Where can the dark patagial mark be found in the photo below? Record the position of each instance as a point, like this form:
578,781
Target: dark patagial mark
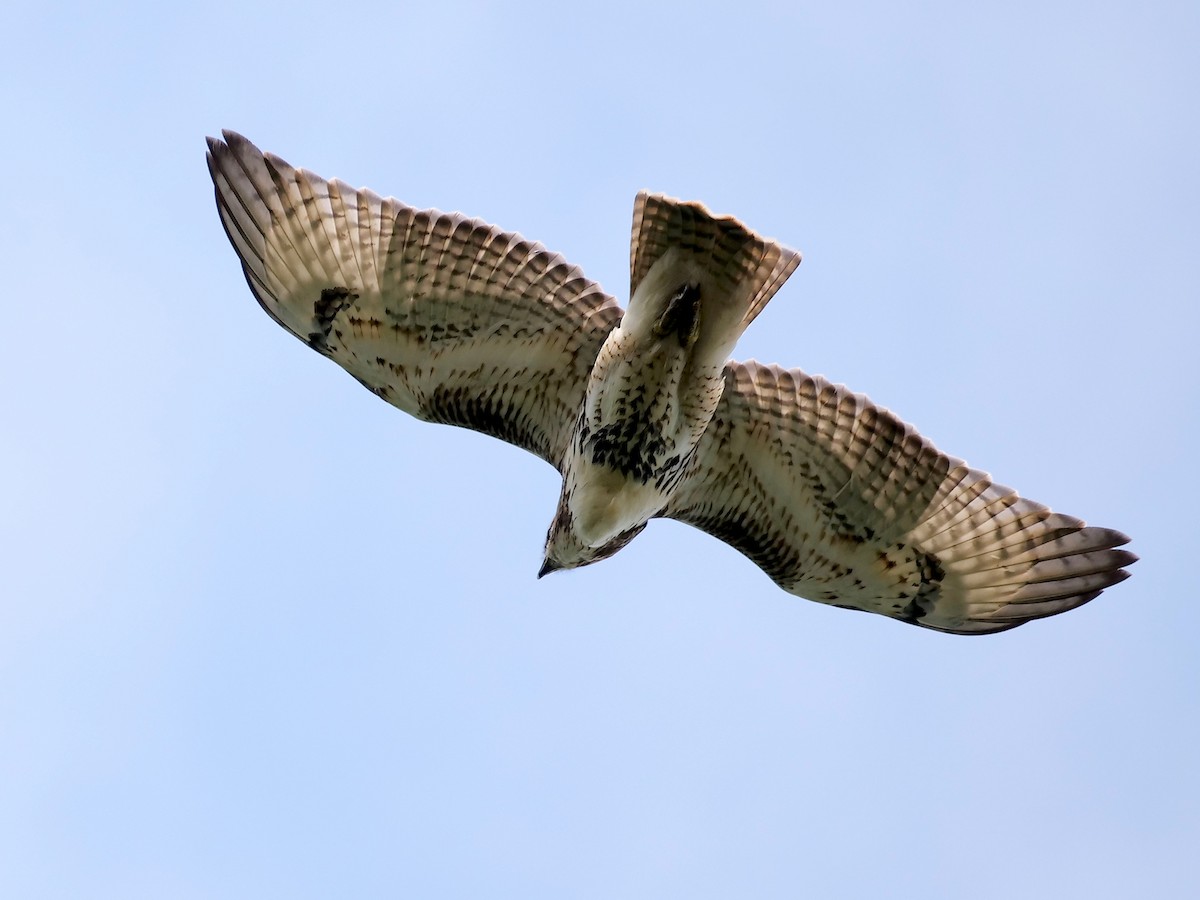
682,315
489,412
741,529
331,302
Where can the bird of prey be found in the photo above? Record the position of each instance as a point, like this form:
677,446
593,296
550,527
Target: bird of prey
641,410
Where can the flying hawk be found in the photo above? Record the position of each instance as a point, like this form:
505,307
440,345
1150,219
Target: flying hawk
641,410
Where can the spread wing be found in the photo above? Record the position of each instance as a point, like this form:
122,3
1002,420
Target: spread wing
840,502
447,318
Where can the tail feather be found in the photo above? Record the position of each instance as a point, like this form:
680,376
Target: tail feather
736,256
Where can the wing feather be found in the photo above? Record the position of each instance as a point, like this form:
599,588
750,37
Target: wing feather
841,502
446,317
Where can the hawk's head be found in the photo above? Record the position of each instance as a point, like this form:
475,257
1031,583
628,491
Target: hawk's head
566,550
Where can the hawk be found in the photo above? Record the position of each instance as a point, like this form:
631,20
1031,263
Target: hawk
641,410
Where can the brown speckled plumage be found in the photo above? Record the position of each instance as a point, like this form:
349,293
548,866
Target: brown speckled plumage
457,322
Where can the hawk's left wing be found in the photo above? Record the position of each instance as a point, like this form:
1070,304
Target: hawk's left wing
841,502
447,318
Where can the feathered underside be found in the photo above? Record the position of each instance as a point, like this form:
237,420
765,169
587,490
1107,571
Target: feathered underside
840,502
448,318
455,321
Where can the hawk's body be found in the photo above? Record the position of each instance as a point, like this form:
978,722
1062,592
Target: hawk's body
455,321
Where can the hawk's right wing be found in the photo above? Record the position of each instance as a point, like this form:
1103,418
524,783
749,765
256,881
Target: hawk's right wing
841,502
447,318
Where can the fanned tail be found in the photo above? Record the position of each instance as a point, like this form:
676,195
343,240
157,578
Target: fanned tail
743,263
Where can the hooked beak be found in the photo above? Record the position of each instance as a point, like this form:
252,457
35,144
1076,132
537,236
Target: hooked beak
547,568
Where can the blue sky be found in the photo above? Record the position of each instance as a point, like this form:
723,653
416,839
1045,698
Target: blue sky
263,635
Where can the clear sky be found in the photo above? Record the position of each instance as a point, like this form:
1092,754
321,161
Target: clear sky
262,635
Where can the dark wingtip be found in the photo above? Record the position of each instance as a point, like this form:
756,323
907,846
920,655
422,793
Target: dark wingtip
234,143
